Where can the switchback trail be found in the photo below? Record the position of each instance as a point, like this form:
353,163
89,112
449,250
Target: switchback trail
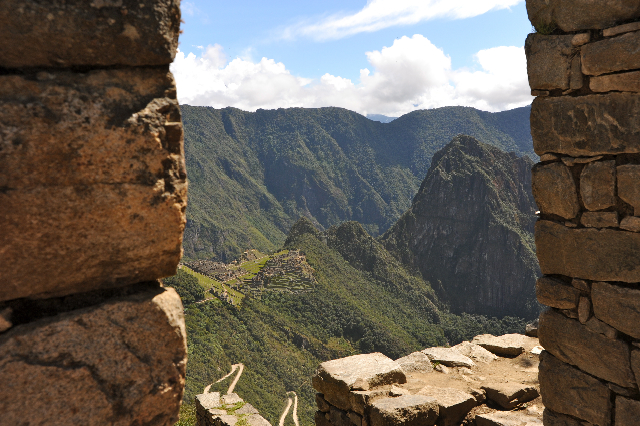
286,410
234,367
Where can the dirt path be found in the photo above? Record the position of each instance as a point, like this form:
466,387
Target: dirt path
234,367
286,410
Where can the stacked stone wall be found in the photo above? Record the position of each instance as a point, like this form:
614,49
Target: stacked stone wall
584,69
92,210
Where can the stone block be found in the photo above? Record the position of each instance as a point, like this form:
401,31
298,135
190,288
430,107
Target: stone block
567,390
476,352
611,55
628,177
258,420
551,418
627,411
578,15
617,306
581,285
584,310
598,185
625,82
122,362
597,326
506,345
555,293
337,378
531,329
586,125
207,401
621,29
576,80
575,344
320,419
630,223
415,362
453,404
599,219
449,357
580,39
322,404
5,319
512,418
102,150
510,395
246,409
635,363
339,417
591,254
231,399
361,399
406,410
548,61
555,190
356,419
38,33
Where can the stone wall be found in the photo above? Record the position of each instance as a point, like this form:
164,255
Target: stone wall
584,67
92,209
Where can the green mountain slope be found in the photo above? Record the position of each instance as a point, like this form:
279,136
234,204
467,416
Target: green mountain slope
252,175
363,301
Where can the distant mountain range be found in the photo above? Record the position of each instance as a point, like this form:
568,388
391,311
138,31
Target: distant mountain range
381,118
253,174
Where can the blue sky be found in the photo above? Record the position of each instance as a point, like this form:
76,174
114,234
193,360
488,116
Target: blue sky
380,56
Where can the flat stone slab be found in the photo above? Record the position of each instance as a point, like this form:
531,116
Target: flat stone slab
476,352
406,410
510,395
206,401
453,404
449,357
231,399
246,409
335,379
507,419
506,345
415,362
257,420
617,306
577,15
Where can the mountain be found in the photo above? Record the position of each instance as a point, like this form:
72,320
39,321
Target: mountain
363,300
253,174
381,118
469,230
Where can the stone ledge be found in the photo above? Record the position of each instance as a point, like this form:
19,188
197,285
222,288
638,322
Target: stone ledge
578,15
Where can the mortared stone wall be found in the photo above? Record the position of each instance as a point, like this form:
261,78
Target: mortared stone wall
92,210
584,69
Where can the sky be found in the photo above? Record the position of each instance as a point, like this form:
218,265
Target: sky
374,57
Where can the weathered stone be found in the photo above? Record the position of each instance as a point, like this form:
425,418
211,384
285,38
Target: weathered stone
548,61
593,254
506,345
586,125
617,306
584,310
339,417
406,410
448,356
5,319
567,390
77,32
119,178
548,157
576,80
356,419
123,360
625,82
510,395
320,419
580,39
322,404
230,399
246,409
208,401
335,379
555,293
453,404
224,420
598,184
441,369
554,190
551,418
599,219
512,418
578,15
531,329
415,362
627,411
630,223
398,391
581,285
621,29
571,161
619,390
611,55
540,93
475,352
361,399
570,313
258,420
597,326
635,363
629,185
575,344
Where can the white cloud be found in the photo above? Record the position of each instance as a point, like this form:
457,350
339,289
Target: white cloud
411,74
379,14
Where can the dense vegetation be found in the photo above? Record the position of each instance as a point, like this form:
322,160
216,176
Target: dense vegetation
253,174
187,287
364,301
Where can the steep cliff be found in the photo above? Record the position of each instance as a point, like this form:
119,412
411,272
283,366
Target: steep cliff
469,230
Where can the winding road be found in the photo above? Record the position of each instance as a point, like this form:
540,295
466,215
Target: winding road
234,367
286,410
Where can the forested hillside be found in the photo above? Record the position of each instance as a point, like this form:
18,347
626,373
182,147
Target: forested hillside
253,174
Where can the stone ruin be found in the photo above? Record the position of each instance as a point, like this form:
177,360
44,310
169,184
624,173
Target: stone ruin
226,410
479,382
584,69
92,210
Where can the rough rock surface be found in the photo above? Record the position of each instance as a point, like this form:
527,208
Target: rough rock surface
586,125
555,190
119,177
611,55
130,372
406,410
627,411
576,15
507,419
599,219
228,410
591,254
557,294
475,352
629,185
625,82
453,404
506,345
617,306
70,33
416,361
598,184
567,390
510,395
548,61
335,379
555,419
448,356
